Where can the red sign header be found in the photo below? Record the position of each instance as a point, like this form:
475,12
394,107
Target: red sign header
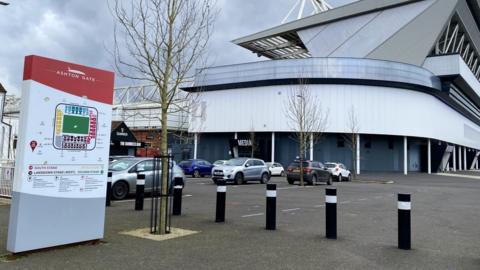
95,84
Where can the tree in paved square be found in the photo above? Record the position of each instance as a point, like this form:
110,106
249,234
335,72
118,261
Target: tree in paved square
161,42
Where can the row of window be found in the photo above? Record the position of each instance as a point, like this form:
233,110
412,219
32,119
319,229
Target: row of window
366,144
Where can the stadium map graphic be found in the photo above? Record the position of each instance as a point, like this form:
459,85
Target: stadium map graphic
75,127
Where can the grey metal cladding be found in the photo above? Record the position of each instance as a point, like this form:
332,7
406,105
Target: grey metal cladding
465,15
413,42
474,6
353,9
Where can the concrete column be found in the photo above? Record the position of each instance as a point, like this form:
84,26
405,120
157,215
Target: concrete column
459,158
358,154
448,166
429,157
273,147
235,136
465,165
195,143
454,158
405,155
311,146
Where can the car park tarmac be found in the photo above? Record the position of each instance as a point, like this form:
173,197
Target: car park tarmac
445,231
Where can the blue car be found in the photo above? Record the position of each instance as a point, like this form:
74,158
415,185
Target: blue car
196,167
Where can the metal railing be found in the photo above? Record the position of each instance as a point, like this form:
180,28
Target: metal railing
6,181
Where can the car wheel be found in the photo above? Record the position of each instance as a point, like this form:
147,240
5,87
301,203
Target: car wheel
265,178
120,190
339,177
290,181
349,178
313,182
239,179
329,180
282,174
215,181
196,174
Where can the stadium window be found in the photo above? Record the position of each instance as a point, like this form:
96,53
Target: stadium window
340,142
368,142
390,143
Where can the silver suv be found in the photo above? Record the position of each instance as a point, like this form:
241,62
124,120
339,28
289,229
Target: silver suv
241,170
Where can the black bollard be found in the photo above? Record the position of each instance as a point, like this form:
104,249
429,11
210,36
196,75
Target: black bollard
177,197
331,213
271,207
404,221
221,197
140,192
109,189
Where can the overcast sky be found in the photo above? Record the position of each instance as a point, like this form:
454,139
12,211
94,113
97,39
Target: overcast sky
80,31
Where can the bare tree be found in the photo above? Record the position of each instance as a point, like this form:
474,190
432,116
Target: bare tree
160,42
306,118
252,140
353,127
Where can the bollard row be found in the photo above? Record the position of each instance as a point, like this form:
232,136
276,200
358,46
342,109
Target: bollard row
404,209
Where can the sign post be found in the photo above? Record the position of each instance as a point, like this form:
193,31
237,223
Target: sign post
62,155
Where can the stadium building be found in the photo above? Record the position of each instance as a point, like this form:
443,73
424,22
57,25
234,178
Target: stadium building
408,69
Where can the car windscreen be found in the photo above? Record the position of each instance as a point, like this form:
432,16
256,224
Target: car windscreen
330,165
121,165
297,164
218,162
235,162
185,163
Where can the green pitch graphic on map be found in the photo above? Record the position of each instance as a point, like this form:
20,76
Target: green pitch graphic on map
75,127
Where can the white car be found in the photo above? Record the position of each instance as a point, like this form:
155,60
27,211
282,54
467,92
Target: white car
275,169
219,162
339,171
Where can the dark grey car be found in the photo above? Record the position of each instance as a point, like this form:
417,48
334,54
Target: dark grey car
124,175
313,172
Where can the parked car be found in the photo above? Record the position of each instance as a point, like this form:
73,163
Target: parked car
241,170
124,175
115,158
313,172
339,171
276,169
196,167
219,162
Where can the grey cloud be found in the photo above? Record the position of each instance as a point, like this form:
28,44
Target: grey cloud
80,31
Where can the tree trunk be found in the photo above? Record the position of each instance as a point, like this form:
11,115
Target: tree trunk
302,154
164,152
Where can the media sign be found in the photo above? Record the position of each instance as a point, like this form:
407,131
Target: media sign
62,155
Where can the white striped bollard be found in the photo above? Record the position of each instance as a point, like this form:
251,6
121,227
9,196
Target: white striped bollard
221,197
404,221
331,213
109,189
177,197
271,218
140,192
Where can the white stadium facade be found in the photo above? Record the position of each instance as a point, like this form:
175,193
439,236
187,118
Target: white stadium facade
410,70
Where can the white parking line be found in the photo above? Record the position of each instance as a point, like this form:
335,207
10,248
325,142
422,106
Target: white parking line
146,199
345,202
363,199
294,187
319,205
253,215
289,210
